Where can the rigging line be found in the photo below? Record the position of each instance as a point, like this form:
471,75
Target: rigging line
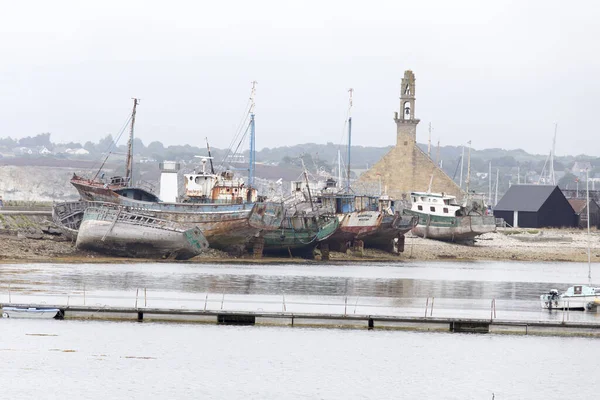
113,143
235,139
93,167
242,123
241,141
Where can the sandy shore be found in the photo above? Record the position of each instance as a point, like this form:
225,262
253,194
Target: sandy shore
509,244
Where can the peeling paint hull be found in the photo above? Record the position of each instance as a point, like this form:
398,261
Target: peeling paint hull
227,226
452,228
114,231
392,227
296,235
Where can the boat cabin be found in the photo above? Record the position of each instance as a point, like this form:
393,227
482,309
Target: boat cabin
435,204
386,205
205,187
581,290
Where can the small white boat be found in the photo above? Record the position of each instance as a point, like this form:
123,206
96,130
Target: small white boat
30,312
578,297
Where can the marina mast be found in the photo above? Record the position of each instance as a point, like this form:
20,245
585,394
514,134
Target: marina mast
552,175
129,160
462,158
468,180
349,139
252,165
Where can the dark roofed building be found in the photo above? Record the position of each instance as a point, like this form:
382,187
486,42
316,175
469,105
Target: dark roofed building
580,208
535,206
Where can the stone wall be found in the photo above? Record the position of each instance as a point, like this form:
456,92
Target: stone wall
405,169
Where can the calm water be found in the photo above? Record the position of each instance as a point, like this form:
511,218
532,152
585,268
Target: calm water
459,289
104,360
99,360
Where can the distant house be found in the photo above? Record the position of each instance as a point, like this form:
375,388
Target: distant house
78,152
535,206
43,151
580,208
19,151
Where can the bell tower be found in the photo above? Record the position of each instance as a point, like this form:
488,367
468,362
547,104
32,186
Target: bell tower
406,123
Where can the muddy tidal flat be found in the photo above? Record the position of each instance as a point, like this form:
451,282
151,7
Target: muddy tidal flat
570,245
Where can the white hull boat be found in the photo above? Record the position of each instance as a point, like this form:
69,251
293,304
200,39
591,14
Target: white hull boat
578,297
29,312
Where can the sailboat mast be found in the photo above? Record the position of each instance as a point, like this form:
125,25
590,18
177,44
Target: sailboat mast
129,160
349,139
252,138
490,184
552,174
212,168
587,206
496,195
462,158
339,181
468,180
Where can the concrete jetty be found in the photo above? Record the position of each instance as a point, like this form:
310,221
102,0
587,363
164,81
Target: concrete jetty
468,325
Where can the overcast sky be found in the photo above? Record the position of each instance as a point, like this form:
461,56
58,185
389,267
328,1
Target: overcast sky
497,73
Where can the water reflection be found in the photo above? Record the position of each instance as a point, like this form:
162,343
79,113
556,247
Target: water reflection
458,288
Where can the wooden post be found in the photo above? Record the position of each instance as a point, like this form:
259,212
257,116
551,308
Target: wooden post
426,306
345,305
432,300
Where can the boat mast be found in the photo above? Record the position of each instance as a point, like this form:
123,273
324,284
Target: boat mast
496,196
252,138
552,175
339,181
212,168
129,159
349,139
462,158
587,202
490,184
307,185
468,180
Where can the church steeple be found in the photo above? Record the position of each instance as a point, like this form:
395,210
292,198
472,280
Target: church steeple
406,122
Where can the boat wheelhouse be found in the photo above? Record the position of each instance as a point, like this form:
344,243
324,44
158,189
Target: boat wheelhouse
440,216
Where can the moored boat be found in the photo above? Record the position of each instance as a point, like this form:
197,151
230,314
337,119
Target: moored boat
30,312
578,297
441,217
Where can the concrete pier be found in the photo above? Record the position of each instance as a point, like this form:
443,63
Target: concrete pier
469,325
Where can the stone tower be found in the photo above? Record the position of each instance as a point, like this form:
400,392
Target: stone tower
406,123
406,168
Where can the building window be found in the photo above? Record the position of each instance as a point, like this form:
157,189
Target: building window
432,209
445,210
420,208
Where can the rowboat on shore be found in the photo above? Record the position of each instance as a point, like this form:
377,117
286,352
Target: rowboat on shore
30,312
